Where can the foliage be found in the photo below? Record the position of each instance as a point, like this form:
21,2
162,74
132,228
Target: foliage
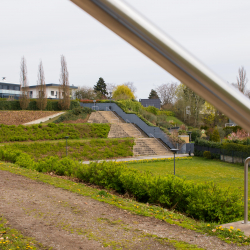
195,134
74,114
94,149
101,87
85,93
64,92
215,136
153,94
152,109
123,92
207,154
52,131
204,201
239,135
165,112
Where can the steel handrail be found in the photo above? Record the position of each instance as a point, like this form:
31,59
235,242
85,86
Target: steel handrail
156,45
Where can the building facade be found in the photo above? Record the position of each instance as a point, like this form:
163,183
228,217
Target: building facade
150,102
9,90
52,91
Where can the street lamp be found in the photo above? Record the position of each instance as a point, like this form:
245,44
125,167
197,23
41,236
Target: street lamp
189,133
110,95
174,150
66,137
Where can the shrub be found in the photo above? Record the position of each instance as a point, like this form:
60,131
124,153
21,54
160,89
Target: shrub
195,134
152,109
204,201
207,154
215,136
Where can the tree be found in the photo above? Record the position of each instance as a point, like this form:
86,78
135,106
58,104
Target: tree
110,87
64,92
85,93
167,93
215,136
123,92
41,96
101,87
131,86
242,80
24,98
153,95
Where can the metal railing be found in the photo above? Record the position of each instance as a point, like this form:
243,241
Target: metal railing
95,108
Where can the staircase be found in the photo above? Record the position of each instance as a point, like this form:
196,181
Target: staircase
120,129
149,146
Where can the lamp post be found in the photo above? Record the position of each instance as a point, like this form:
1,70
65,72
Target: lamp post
66,137
174,150
189,133
110,95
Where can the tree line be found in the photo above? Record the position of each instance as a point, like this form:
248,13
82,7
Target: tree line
41,101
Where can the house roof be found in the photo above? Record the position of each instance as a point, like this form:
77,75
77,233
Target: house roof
10,83
151,102
53,85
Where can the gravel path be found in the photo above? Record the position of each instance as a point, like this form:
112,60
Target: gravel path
63,220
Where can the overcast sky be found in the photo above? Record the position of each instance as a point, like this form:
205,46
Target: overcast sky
214,31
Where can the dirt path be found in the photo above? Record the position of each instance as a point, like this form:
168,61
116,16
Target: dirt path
63,220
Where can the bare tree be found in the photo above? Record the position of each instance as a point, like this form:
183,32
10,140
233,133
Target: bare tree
110,87
131,86
242,81
41,95
166,93
85,93
24,97
64,92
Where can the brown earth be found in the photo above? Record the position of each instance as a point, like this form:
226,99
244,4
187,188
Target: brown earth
21,117
64,220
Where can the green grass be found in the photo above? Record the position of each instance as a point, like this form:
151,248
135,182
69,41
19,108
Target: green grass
12,239
200,170
134,207
94,149
175,120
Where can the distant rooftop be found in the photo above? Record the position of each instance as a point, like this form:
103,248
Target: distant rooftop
53,85
150,102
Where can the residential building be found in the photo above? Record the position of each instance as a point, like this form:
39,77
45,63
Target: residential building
52,90
9,90
150,102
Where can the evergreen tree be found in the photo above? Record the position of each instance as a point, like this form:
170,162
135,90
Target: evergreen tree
101,87
153,95
215,136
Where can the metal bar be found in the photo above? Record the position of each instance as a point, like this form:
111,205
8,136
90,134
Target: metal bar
160,142
246,191
155,44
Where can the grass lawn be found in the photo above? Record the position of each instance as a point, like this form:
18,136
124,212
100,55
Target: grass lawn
175,120
200,170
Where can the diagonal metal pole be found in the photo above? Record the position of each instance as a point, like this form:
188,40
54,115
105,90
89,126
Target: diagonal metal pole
155,44
246,190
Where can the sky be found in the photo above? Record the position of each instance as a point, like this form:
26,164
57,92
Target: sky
215,32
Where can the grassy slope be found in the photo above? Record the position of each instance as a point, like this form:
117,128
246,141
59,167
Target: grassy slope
199,169
175,120
133,206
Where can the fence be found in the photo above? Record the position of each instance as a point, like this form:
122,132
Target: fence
222,154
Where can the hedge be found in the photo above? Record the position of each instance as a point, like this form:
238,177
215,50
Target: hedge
52,131
52,105
205,201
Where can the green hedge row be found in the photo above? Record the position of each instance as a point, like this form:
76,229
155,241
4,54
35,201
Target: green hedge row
52,131
94,149
52,105
231,149
204,201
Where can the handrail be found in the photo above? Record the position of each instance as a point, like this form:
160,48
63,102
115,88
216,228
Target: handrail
246,191
159,142
116,116
134,126
156,45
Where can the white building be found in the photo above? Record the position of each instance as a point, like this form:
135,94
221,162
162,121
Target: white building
52,90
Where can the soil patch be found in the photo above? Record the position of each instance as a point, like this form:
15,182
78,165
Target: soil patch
24,116
63,220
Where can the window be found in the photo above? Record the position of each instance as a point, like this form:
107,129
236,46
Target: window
52,93
31,93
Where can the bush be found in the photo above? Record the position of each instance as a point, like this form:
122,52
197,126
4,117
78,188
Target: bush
204,201
195,134
207,154
215,136
152,109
